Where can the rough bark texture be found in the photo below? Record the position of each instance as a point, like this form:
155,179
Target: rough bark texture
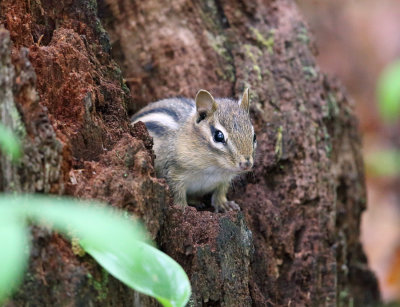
296,241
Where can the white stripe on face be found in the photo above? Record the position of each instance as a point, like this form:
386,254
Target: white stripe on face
221,146
164,119
218,126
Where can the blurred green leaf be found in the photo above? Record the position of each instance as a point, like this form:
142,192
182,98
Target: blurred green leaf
147,270
119,244
96,223
383,163
9,142
14,253
389,92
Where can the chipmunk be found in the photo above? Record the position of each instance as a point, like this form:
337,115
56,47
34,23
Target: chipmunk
201,145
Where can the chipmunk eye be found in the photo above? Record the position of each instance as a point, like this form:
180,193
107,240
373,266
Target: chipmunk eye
254,138
219,136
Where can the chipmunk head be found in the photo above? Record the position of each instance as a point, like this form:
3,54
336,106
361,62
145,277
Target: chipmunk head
224,124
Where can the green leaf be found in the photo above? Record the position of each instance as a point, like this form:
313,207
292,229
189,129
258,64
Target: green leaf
9,143
101,225
389,92
383,163
147,270
14,253
116,242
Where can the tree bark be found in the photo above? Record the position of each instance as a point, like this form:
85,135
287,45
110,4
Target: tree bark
296,240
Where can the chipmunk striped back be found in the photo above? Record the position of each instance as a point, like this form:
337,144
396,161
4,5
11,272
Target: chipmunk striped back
166,115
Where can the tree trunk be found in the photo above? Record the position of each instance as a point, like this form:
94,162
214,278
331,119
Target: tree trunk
296,240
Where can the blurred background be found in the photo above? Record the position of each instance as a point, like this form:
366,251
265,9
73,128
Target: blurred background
359,42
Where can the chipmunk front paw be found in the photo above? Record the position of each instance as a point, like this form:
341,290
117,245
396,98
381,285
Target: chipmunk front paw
229,205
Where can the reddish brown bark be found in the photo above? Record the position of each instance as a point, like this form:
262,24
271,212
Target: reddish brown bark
296,241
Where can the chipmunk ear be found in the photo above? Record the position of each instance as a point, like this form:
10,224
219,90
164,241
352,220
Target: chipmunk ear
245,101
205,103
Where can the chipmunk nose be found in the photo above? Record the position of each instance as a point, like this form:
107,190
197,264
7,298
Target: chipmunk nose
246,164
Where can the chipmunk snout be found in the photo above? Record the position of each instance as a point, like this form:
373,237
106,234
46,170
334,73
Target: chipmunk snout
246,164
